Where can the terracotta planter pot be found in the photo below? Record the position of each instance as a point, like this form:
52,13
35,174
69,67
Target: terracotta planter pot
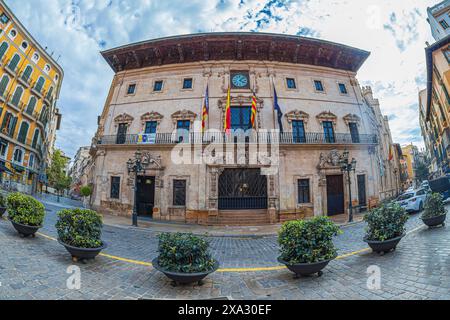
383,247
82,254
306,269
184,278
24,230
435,221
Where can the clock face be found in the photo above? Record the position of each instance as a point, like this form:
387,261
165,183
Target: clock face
240,81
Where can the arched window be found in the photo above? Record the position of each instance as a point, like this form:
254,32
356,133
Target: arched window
27,73
4,84
31,161
14,62
50,93
35,139
17,96
31,105
3,48
23,132
18,155
40,84
43,116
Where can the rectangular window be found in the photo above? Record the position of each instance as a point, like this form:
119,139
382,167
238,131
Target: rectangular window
328,132
183,128
318,85
298,131
4,18
444,24
115,187
150,127
187,83
122,133
290,82
158,86
179,193
131,89
241,118
354,132
3,149
343,88
303,191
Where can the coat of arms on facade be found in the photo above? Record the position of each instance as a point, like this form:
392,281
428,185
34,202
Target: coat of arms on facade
330,160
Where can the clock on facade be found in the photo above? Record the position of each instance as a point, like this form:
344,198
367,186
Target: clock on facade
240,80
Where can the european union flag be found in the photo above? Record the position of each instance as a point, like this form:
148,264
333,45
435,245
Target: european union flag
277,108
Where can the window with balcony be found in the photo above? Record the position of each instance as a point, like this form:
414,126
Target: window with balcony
304,193
3,85
15,101
31,161
122,133
18,156
35,139
31,105
328,130
179,193
115,187
39,84
3,149
298,131
27,73
241,118
183,128
150,127
9,124
23,132
14,63
354,132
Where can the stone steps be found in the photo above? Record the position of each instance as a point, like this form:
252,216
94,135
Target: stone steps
241,218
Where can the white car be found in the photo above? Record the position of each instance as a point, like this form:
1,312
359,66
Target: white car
413,201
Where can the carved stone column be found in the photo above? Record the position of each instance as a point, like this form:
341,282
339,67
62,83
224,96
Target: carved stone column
213,202
273,197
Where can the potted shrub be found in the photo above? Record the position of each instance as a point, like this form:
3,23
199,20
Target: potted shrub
80,232
184,258
25,213
435,213
307,245
386,227
2,205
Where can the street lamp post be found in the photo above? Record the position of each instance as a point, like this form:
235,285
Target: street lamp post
348,167
135,166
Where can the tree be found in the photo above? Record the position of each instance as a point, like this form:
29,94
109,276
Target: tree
56,174
422,172
85,191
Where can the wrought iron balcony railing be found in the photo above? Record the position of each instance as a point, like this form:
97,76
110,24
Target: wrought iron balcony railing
286,138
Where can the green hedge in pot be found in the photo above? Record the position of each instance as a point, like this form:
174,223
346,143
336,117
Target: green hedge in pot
386,222
308,241
80,228
2,201
434,206
184,253
26,210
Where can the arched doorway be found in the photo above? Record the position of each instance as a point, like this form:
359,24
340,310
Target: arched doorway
242,189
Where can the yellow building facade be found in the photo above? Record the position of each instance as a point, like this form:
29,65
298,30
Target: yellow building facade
30,83
410,154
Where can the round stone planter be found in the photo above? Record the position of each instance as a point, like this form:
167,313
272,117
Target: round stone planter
83,254
2,211
306,269
24,230
184,278
383,247
435,221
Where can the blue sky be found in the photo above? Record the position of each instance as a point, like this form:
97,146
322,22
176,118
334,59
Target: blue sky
76,30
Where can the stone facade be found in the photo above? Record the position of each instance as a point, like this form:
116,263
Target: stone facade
313,159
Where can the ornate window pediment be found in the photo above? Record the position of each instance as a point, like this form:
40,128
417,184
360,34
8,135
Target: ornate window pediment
151,116
123,118
297,115
184,115
327,116
352,118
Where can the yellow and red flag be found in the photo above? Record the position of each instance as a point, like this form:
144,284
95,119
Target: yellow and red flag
254,110
205,111
227,120
391,153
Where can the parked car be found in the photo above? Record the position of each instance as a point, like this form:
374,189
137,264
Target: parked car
442,186
413,201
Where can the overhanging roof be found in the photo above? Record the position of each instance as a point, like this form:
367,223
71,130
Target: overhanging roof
429,57
235,46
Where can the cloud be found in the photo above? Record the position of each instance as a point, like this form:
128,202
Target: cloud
394,31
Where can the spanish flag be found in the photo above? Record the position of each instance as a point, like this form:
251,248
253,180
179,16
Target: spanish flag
254,110
205,111
227,120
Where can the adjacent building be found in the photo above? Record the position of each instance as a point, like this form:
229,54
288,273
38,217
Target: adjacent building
411,157
281,166
30,83
79,170
439,20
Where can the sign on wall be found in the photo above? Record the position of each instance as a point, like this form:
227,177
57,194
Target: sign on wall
147,138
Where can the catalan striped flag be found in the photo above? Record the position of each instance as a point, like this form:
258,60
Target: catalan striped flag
391,153
227,120
254,110
205,112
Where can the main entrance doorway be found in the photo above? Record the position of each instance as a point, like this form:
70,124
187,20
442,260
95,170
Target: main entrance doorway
242,189
335,195
145,196
362,197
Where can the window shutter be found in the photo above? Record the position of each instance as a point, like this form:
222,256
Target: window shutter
13,126
4,84
3,49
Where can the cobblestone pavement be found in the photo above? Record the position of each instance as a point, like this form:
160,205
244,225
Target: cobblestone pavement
36,268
